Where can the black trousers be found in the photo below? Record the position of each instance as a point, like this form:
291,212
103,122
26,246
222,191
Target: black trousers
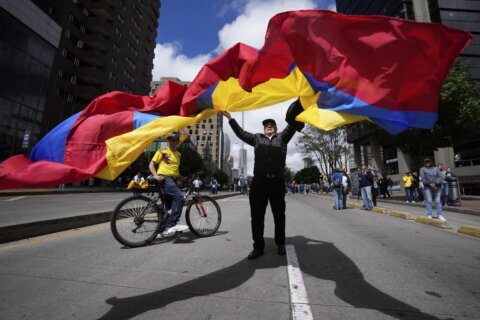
262,191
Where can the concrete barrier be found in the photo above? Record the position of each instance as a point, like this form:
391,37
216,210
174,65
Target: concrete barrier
469,230
381,210
433,222
39,228
402,215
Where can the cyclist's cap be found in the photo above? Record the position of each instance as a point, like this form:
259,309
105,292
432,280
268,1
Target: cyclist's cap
427,160
173,136
267,121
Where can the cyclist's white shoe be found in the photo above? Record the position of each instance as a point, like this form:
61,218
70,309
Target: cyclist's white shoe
441,218
170,232
180,228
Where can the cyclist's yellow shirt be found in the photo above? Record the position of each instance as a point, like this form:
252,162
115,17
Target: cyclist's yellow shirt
168,162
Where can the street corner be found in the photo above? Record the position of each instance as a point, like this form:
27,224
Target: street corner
469,230
402,215
433,222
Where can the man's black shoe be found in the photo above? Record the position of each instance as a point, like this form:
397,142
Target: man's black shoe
281,250
255,254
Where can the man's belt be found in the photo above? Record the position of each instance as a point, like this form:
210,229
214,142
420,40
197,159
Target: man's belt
269,175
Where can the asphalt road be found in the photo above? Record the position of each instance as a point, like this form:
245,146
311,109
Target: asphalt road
31,208
355,265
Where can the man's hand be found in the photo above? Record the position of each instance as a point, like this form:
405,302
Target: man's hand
159,177
433,186
226,114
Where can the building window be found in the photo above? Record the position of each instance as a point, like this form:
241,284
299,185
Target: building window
76,61
70,17
80,44
69,98
85,12
82,28
60,72
73,80
64,52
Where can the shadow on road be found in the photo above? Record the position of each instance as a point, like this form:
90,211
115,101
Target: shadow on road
317,258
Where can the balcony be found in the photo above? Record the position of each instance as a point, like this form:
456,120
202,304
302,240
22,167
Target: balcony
102,10
94,58
91,75
96,41
99,25
88,92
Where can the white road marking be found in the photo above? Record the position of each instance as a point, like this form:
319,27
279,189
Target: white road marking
17,198
111,200
298,294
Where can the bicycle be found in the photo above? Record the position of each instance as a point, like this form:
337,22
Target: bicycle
137,220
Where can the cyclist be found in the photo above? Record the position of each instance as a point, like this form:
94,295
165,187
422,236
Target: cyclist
168,161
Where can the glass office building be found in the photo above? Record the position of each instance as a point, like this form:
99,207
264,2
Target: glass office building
27,48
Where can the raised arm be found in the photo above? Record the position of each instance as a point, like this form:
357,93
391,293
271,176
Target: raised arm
245,136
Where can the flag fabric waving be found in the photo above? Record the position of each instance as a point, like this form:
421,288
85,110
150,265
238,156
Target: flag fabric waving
343,68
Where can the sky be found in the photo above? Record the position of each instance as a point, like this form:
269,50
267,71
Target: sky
192,32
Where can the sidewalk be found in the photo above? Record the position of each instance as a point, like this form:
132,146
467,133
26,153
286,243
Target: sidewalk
470,204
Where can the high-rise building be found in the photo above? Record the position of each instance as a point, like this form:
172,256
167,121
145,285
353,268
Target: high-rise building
242,162
208,132
461,14
28,41
105,45
367,149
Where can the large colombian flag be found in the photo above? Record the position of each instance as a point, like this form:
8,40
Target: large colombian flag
343,68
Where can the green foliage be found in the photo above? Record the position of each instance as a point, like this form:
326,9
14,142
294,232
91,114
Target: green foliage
191,161
221,177
458,118
329,148
308,175
287,174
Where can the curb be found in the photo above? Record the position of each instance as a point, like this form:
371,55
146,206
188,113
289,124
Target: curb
39,228
381,210
402,215
469,230
433,222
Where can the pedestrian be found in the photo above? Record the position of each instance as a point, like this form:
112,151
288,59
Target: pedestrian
390,185
365,181
268,185
168,161
432,184
408,185
375,185
197,183
347,186
385,187
337,187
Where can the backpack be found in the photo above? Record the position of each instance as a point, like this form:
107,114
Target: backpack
337,180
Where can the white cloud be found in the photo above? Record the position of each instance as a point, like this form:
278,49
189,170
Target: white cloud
168,62
250,26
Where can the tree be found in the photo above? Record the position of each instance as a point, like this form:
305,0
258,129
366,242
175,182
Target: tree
192,162
329,148
221,177
287,174
308,175
458,118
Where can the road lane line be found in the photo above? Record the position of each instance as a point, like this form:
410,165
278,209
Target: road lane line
13,199
298,294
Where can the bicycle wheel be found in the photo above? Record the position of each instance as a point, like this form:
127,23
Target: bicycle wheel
203,216
135,221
